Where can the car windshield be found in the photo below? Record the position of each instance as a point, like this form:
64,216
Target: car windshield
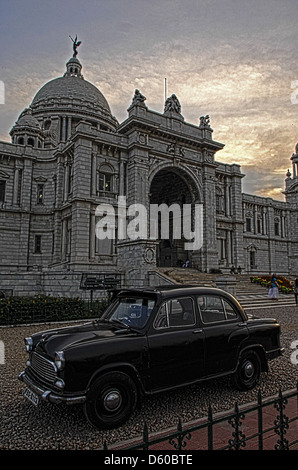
130,311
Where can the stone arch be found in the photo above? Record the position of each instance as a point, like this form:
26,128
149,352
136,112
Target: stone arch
172,187
191,179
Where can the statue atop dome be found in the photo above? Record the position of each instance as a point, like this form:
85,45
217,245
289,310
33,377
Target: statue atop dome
76,44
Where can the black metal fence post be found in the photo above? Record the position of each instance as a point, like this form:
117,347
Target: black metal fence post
260,420
281,423
210,428
145,437
236,423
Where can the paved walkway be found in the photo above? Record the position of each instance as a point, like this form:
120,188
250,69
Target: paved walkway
222,432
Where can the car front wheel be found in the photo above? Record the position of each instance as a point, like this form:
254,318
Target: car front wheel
111,400
248,371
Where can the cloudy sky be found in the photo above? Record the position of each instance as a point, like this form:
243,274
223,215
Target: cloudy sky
235,60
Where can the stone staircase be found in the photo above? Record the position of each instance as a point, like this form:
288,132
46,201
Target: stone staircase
251,296
188,276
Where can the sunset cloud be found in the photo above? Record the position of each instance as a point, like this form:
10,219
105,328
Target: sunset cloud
235,63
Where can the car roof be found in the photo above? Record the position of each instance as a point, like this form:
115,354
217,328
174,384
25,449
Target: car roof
174,289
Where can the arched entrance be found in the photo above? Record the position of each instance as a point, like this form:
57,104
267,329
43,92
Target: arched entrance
170,189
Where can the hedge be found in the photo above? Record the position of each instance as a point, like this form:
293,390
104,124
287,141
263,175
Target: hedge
20,310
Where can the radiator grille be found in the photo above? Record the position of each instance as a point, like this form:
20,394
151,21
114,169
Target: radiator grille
44,368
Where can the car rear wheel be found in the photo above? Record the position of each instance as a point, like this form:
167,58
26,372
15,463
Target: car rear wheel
248,372
111,400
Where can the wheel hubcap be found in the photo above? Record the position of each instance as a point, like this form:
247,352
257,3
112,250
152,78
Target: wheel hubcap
112,400
248,369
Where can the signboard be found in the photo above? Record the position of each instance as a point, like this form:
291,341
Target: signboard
100,281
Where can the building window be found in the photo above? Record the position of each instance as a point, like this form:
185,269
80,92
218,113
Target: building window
37,244
219,201
252,259
105,182
105,178
105,247
70,179
2,190
248,225
40,194
276,228
259,225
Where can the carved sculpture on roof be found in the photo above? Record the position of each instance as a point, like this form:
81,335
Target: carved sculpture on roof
205,121
76,44
172,104
138,98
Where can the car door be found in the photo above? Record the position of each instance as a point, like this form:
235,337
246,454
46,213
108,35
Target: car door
224,331
176,345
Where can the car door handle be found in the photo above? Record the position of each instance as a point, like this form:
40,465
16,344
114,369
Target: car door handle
199,330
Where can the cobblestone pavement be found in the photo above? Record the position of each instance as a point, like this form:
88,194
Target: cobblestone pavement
52,427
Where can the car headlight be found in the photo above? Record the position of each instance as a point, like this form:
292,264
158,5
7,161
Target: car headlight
59,360
29,344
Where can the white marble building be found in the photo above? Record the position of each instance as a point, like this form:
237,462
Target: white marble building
68,155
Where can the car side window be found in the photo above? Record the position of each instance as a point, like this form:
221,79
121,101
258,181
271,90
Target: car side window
176,313
215,309
231,313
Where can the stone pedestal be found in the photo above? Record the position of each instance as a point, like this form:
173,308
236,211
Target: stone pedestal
136,258
226,283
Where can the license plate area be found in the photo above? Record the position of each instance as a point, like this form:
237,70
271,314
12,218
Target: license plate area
31,396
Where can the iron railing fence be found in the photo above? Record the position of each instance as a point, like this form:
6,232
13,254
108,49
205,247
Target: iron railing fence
267,424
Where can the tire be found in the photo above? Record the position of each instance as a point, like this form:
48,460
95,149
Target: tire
248,371
111,400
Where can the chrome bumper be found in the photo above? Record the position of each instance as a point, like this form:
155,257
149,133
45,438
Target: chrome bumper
49,395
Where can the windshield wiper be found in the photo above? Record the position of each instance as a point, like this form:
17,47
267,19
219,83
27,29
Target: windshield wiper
117,323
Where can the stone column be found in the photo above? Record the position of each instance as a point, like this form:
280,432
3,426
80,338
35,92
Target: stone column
16,185
69,127
121,178
64,128
228,247
209,250
66,180
93,175
227,197
59,135
63,244
92,237
264,221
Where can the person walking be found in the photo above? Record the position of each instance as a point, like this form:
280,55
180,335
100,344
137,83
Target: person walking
273,291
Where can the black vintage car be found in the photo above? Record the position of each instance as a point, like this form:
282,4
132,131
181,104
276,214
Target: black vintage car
148,341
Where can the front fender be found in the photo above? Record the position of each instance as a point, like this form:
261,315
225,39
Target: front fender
125,367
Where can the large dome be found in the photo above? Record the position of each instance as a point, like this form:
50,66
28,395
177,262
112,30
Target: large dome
75,95
74,91
64,89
